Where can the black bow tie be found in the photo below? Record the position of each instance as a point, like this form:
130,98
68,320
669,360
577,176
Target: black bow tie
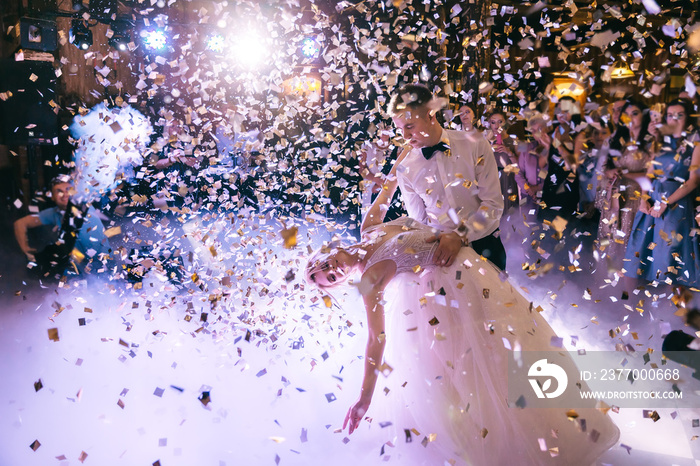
428,152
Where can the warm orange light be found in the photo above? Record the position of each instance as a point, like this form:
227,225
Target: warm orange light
302,85
621,72
574,90
567,87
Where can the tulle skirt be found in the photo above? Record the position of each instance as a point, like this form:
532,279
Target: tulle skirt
450,332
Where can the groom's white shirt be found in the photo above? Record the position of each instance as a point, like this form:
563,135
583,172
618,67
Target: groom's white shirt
461,186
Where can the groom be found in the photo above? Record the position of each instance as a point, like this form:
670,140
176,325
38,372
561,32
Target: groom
448,180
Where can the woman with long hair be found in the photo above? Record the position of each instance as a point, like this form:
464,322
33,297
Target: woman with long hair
661,247
504,149
533,158
444,336
627,157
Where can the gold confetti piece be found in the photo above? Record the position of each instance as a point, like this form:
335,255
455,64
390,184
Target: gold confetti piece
289,235
434,321
77,255
602,406
485,292
277,439
120,403
327,301
484,432
386,369
417,269
53,334
83,456
572,414
114,231
35,445
195,278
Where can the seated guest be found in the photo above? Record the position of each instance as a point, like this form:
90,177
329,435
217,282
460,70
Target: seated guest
81,235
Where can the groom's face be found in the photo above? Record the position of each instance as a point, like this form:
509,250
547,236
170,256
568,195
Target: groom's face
419,127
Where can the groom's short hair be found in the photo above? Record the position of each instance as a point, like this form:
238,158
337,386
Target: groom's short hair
409,97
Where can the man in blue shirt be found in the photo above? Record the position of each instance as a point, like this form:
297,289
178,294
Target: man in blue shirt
81,233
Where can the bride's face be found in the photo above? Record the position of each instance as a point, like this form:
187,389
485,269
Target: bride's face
332,271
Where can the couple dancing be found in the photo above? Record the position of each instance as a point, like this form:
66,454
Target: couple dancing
442,318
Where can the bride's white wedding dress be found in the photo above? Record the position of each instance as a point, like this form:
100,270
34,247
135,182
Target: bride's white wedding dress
450,332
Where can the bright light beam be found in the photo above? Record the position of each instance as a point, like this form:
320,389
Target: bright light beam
309,47
216,43
249,50
155,40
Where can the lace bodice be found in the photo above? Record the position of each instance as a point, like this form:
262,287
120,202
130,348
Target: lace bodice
407,249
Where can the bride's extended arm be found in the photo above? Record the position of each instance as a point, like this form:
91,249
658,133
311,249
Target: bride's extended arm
375,215
376,340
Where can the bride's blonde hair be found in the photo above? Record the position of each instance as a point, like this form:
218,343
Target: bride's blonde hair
316,260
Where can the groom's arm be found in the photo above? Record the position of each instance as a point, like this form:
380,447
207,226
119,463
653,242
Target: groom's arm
415,207
488,216
375,215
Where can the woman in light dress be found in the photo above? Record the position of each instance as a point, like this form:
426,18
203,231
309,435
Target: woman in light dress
626,159
441,338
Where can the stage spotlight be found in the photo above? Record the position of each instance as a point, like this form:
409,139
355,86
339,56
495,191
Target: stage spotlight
154,40
120,37
249,50
80,34
216,43
309,47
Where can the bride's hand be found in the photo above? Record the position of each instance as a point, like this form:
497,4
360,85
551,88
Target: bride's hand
355,414
450,244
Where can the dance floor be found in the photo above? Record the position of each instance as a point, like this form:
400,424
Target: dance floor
244,364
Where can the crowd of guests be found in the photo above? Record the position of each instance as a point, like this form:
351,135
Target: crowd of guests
630,167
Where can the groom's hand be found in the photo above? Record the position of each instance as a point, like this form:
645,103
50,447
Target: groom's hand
448,248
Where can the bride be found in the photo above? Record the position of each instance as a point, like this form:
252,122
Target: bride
443,337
